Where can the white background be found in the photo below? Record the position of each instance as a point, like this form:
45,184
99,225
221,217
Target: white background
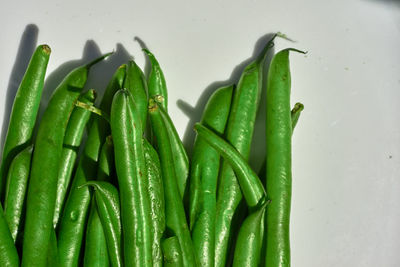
346,160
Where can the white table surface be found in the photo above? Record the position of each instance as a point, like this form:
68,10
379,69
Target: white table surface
346,160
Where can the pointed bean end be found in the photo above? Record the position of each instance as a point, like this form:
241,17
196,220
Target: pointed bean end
46,49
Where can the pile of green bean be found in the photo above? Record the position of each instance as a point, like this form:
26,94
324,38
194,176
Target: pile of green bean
130,196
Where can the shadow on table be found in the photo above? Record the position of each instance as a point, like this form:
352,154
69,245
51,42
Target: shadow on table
27,46
393,3
99,76
98,79
194,113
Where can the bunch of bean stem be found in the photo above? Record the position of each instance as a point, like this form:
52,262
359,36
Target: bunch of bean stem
132,198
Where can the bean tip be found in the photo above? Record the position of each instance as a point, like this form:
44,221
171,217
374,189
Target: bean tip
284,36
46,49
152,105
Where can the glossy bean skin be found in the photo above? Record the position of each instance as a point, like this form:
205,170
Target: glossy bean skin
96,253
278,161
250,239
204,177
108,206
250,185
239,133
172,252
17,184
42,188
156,81
130,165
96,245
72,140
157,204
52,251
179,155
24,111
8,251
106,168
295,114
136,84
175,214
74,217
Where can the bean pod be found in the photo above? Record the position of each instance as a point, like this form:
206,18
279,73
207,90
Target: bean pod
72,141
278,160
156,193
73,221
239,133
175,213
126,129
204,177
17,184
24,111
42,188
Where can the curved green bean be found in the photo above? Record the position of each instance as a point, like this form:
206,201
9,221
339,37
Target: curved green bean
74,217
204,177
250,185
249,242
72,140
156,81
179,155
42,188
175,213
96,253
108,206
96,245
24,111
126,129
278,160
136,84
17,184
239,133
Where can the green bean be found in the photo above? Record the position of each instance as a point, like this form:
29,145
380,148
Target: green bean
74,217
179,156
295,114
42,188
250,240
204,176
175,214
8,252
24,111
239,133
106,168
172,252
17,183
278,160
130,165
108,206
72,140
95,244
52,251
250,185
156,194
136,84
156,81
